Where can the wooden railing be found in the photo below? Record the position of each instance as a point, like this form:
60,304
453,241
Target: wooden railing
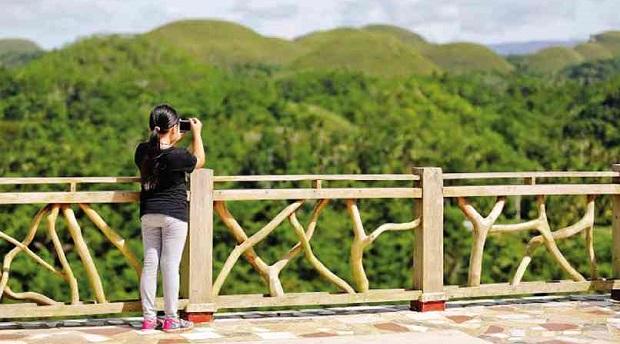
210,196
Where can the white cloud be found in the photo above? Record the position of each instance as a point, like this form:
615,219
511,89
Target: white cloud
55,22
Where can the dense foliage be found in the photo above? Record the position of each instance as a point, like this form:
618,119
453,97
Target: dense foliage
81,110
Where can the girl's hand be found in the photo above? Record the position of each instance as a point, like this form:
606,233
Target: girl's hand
195,125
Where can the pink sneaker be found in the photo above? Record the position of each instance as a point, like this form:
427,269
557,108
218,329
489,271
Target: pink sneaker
149,323
177,325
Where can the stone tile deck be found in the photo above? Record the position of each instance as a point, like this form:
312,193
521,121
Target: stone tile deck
576,319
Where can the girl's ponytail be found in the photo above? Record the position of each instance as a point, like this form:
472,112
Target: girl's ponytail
161,119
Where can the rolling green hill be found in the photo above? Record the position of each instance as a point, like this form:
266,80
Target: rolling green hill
18,46
14,52
466,57
454,57
610,40
600,47
224,43
592,51
404,35
363,51
551,60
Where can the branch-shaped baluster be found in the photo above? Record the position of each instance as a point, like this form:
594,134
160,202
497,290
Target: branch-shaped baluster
29,252
361,241
315,262
250,242
68,273
8,258
483,226
590,240
30,296
277,267
548,238
269,273
480,230
82,250
255,261
113,236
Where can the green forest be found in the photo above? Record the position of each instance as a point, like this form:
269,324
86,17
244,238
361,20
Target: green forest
377,99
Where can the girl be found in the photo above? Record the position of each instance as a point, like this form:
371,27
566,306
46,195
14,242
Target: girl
164,210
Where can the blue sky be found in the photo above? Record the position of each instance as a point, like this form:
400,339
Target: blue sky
52,23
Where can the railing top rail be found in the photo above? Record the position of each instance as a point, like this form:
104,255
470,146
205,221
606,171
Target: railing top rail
322,177
542,174
531,190
67,180
311,177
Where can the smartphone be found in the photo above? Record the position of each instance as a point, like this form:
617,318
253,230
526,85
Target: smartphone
185,125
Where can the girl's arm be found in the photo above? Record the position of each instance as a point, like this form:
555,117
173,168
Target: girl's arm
197,149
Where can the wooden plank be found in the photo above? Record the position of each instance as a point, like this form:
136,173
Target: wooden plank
318,298
329,193
303,177
428,250
615,228
69,197
200,239
8,306
539,189
520,175
81,309
503,289
67,180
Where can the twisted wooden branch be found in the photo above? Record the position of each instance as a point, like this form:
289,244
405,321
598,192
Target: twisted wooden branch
361,241
68,273
480,230
82,250
548,239
483,226
269,273
8,258
80,245
324,271
40,299
113,236
250,242
255,261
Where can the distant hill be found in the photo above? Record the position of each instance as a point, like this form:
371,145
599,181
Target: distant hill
14,52
552,59
466,57
225,43
599,47
592,51
610,40
452,57
361,50
18,46
404,35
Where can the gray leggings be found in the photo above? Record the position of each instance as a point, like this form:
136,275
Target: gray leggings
163,238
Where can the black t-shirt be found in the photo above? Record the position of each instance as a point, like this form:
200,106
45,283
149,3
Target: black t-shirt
170,195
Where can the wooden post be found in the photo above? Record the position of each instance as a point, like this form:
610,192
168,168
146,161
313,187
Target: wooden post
615,235
197,261
428,251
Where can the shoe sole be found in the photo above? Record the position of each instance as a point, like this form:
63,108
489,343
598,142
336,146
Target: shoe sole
177,330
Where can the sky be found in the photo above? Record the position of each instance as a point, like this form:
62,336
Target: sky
54,23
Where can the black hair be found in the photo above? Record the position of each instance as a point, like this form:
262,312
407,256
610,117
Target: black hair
162,118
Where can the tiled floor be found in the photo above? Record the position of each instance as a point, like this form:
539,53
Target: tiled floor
578,319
